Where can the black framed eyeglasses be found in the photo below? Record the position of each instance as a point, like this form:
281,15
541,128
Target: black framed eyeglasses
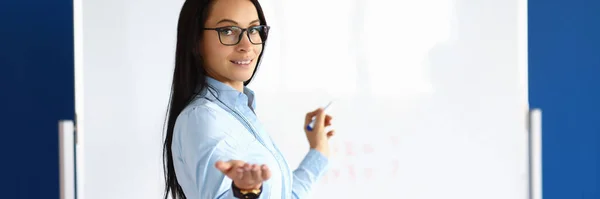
232,35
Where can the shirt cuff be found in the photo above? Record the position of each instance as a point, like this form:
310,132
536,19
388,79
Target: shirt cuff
315,162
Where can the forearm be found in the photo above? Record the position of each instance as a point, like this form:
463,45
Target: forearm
310,170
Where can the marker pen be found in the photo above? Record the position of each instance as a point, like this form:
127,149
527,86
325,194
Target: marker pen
312,123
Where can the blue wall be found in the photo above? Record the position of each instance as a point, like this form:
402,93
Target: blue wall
37,85
564,81
36,79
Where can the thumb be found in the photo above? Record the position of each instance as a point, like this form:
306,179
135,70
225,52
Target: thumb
223,166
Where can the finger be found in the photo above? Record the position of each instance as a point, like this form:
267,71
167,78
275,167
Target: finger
238,174
236,163
236,171
256,173
328,120
330,133
309,117
247,175
223,166
266,173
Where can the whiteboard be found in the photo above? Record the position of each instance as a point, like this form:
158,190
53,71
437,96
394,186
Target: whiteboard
430,96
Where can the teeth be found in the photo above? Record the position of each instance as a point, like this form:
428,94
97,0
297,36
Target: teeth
242,62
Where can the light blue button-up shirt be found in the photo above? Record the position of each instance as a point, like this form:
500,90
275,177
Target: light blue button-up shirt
220,124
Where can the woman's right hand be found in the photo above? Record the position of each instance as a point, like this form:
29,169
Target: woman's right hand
317,138
244,175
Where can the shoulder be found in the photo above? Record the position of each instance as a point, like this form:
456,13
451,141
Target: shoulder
201,128
202,116
207,122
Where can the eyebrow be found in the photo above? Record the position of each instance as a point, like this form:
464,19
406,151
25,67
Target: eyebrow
236,23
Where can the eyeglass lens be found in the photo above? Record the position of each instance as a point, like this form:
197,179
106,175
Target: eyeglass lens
232,35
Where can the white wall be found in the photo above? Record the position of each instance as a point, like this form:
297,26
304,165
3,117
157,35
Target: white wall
430,95
128,57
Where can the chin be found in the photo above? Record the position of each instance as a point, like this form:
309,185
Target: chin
242,77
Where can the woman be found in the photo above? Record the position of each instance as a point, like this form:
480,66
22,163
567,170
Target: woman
215,147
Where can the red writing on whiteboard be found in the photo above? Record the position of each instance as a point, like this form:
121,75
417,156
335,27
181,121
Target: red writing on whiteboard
364,161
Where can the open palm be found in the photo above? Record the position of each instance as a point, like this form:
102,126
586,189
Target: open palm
244,175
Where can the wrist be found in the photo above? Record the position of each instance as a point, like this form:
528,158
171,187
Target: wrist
250,193
323,149
321,144
247,187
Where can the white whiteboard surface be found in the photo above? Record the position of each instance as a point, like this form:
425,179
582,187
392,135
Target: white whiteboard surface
431,95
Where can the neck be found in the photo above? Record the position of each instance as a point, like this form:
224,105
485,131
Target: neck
237,85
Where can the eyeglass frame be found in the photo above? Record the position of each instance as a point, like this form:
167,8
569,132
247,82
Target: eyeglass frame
217,29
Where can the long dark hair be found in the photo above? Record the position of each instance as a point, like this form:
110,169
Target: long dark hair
189,76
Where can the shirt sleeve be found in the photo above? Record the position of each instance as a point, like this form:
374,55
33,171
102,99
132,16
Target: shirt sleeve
310,170
200,141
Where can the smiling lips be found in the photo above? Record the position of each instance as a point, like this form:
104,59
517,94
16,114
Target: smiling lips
243,62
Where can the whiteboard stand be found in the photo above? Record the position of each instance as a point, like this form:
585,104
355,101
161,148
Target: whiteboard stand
66,139
535,154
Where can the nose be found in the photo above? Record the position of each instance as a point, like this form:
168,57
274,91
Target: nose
244,45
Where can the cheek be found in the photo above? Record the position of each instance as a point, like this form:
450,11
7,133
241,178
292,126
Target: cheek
258,49
215,54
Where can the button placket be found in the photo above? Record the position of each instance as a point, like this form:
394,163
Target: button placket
268,144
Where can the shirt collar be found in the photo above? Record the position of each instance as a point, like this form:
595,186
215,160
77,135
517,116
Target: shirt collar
229,96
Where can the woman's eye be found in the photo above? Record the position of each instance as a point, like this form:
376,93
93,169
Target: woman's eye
253,31
226,31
